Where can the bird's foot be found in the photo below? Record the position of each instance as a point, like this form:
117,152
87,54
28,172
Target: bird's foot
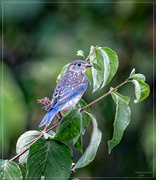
60,115
46,101
63,113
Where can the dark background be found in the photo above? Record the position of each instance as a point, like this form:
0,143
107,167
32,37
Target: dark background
40,38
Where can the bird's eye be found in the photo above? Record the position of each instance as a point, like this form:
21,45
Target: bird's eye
79,64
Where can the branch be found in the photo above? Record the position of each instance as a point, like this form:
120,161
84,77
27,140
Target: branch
41,135
26,149
106,94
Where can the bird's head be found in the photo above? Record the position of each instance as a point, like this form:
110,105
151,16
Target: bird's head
79,66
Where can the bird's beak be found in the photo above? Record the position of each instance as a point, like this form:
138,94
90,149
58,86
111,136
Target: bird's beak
89,65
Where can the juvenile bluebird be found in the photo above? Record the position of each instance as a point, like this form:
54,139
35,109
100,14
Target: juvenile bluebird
68,91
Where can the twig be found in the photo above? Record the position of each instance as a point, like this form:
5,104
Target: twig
26,149
52,127
105,94
91,53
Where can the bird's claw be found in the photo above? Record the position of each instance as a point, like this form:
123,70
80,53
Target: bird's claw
57,116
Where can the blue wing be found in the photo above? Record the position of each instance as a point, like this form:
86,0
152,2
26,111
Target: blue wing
64,95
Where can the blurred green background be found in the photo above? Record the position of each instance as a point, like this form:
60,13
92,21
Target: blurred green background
40,38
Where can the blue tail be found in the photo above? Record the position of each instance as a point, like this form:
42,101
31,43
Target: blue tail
49,116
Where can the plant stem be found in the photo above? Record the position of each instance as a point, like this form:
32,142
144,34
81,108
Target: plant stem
52,127
113,89
91,53
41,135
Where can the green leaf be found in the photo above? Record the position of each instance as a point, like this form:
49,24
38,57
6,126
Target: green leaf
85,121
113,63
50,158
62,72
126,99
88,73
91,150
9,170
85,117
142,90
78,143
80,53
107,60
122,118
132,72
69,127
139,77
96,66
23,169
23,142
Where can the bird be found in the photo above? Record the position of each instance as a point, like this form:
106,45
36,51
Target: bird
68,91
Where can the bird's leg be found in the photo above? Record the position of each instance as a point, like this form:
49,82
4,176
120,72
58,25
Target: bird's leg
60,116
46,101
